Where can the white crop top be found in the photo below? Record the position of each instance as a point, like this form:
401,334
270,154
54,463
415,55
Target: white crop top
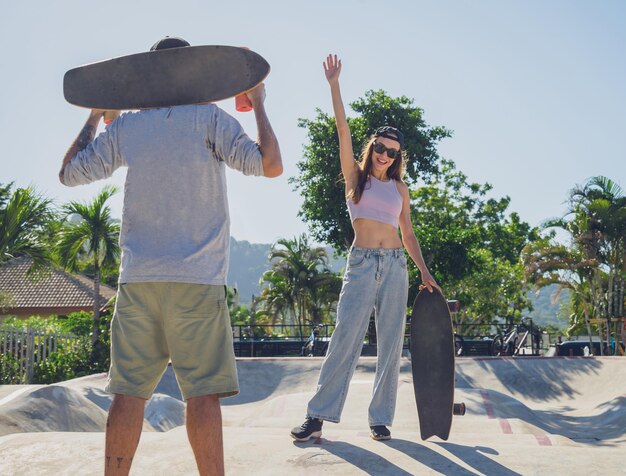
380,201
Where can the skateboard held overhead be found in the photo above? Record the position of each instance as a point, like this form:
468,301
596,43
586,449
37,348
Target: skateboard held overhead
432,360
165,78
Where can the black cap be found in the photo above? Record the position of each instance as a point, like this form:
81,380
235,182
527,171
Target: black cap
390,133
169,42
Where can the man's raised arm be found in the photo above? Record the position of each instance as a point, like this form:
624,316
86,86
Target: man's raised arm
85,137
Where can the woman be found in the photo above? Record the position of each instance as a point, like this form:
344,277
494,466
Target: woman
376,276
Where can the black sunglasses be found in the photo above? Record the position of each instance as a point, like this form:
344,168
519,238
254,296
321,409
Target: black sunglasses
391,153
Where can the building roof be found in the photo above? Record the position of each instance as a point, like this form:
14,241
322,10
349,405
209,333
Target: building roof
53,291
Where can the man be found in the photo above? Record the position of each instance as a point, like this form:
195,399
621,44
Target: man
175,236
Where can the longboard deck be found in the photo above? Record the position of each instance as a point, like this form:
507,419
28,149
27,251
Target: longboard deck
165,78
432,361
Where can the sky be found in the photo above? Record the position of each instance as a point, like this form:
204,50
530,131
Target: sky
534,91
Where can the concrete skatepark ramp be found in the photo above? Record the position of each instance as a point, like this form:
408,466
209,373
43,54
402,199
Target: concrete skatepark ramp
524,416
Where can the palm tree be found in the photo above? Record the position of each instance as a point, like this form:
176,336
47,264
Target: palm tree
605,205
595,266
324,297
547,262
24,219
299,274
90,234
277,298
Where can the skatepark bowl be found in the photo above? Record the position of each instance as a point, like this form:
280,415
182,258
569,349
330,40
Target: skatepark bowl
525,416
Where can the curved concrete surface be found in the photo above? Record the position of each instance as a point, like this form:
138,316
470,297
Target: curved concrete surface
524,416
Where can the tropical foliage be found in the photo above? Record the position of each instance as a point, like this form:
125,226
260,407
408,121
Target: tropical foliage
67,361
471,245
593,265
300,288
26,224
90,235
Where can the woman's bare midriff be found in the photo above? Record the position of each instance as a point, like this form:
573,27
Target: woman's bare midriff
374,234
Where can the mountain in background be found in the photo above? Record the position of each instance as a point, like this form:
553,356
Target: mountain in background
248,262
545,312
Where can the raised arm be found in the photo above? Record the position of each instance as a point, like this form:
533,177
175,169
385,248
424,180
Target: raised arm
85,137
91,158
268,144
332,69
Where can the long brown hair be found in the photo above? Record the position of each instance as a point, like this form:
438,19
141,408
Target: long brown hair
395,171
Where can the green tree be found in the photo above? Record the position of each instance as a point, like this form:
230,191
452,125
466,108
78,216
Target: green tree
603,203
548,262
593,266
471,244
90,234
25,217
319,180
299,280
324,299
277,298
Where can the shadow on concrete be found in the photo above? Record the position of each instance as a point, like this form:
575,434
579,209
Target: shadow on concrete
260,380
608,424
365,460
428,457
99,397
50,408
475,456
540,379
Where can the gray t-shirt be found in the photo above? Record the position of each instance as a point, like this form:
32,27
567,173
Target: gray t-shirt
175,221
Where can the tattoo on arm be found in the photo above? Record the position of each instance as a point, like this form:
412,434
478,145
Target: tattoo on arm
85,137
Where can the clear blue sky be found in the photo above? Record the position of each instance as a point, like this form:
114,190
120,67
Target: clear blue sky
533,90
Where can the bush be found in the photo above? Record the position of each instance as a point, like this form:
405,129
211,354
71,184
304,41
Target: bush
78,323
68,362
71,360
48,324
9,370
101,353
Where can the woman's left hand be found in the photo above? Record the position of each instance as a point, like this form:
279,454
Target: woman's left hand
429,282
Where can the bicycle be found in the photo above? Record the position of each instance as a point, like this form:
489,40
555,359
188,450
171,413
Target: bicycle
507,344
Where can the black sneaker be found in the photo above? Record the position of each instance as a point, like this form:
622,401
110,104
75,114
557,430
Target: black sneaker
380,432
311,428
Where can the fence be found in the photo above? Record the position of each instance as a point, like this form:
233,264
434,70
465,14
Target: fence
278,340
478,339
28,347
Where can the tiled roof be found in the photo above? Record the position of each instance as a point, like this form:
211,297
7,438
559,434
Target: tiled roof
53,289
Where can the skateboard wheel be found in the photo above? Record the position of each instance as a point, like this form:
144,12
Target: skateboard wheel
242,103
459,409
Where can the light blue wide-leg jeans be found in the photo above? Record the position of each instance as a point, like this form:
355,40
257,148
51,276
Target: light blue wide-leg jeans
375,279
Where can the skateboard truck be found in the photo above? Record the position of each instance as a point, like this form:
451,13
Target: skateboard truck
458,409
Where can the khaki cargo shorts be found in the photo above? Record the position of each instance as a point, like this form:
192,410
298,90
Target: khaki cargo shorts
188,324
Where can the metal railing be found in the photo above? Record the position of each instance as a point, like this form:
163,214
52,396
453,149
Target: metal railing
290,340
